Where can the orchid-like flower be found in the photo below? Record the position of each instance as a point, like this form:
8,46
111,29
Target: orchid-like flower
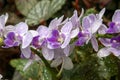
90,26
20,36
60,38
111,46
114,26
51,40
51,37
43,32
40,40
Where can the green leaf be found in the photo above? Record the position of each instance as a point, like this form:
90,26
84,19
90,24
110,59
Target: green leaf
35,71
24,6
43,10
90,11
32,71
46,74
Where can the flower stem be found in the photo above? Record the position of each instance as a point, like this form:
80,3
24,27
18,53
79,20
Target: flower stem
104,35
61,69
52,71
43,59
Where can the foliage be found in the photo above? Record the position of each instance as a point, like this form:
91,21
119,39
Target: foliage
87,64
38,11
36,71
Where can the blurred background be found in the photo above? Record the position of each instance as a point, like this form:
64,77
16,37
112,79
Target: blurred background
37,12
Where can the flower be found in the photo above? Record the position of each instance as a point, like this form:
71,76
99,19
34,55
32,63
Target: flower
43,32
60,38
19,36
114,26
111,46
90,25
40,41
52,37
56,39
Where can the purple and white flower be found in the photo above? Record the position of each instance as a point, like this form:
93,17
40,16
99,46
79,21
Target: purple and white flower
90,26
114,26
111,46
20,36
60,38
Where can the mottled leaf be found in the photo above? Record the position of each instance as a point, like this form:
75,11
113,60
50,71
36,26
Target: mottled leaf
35,71
43,10
24,6
31,72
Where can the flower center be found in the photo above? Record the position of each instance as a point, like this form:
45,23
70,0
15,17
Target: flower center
60,39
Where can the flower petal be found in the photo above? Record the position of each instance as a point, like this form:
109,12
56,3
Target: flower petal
105,42
74,32
48,53
26,52
42,31
67,50
115,51
33,32
66,29
8,43
3,19
103,52
116,16
94,43
102,29
11,35
80,41
55,23
95,26
101,13
21,28
85,23
7,29
66,41
56,62
67,63
27,39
